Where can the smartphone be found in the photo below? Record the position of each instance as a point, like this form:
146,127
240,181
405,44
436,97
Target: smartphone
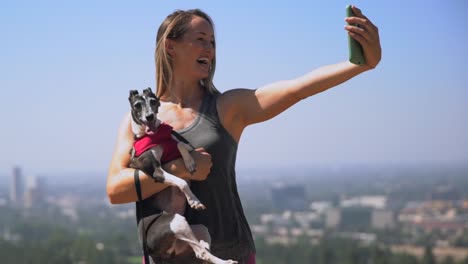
356,55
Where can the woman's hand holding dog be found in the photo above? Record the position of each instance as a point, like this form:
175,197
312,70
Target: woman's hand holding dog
203,166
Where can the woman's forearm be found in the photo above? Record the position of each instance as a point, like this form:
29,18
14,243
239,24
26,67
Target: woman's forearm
121,182
326,77
121,188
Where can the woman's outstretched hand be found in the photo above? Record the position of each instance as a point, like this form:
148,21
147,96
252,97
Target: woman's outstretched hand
367,34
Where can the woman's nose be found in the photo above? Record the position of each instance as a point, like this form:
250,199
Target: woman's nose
208,45
210,48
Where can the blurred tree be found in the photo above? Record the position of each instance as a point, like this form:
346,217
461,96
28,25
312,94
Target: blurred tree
379,256
428,257
448,260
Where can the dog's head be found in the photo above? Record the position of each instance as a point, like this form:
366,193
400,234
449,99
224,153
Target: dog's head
144,108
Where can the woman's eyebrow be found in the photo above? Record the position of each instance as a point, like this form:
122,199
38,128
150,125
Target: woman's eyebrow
203,33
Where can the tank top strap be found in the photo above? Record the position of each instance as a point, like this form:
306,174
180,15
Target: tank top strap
209,110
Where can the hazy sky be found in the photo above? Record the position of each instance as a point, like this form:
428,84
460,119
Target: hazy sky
66,68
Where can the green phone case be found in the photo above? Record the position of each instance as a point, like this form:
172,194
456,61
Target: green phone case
356,54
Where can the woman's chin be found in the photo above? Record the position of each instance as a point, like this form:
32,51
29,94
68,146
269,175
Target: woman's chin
203,75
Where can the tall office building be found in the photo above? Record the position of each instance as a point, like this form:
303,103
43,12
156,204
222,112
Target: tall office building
332,218
289,197
382,219
16,187
35,192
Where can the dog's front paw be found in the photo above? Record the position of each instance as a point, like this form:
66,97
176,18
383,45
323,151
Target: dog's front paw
197,205
205,244
191,166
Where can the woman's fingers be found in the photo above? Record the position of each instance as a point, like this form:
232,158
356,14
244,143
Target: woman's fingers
366,33
363,23
204,163
358,36
358,13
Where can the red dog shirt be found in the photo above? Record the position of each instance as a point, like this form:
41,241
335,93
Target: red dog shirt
162,137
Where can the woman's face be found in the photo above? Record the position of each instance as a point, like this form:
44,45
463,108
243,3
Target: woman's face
193,53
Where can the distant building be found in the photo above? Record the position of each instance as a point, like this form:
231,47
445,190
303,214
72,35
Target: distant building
382,219
332,218
375,201
305,219
35,192
364,238
320,206
3,201
289,197
445,193
16,187
355,218
443,227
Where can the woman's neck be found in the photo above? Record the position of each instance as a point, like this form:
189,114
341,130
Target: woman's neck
186,94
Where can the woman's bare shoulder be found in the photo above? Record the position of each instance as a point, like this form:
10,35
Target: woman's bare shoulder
229,105
231,97
125,127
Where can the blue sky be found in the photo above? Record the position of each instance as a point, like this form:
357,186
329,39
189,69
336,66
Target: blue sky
66,68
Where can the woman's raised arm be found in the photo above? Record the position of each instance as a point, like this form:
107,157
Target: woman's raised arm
239,108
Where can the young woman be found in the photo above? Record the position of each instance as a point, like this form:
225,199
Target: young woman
213,122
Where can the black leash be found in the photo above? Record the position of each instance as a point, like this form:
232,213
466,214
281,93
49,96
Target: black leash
140,214
181,138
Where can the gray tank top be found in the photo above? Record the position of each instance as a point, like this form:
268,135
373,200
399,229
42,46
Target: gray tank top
224,216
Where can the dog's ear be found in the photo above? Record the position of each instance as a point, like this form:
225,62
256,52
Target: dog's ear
132,93
148,92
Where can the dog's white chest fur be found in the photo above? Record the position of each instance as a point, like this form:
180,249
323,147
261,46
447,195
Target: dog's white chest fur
138,130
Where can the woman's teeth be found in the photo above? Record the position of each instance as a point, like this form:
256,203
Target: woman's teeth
203,61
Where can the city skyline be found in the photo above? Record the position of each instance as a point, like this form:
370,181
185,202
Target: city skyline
67,68
399,215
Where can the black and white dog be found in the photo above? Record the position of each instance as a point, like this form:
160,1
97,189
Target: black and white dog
156,143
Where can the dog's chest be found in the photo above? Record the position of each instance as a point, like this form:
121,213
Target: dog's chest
162,137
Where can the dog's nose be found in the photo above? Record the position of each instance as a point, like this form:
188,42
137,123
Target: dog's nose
150,117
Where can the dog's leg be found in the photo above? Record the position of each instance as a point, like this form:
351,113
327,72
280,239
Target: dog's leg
171,200
172,180
158,173
188,159
185,189
182,231
201,234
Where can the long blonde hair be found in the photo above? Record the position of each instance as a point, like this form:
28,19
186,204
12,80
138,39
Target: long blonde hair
173,27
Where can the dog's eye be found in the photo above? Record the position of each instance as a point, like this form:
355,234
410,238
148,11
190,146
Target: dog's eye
137,106
152,102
